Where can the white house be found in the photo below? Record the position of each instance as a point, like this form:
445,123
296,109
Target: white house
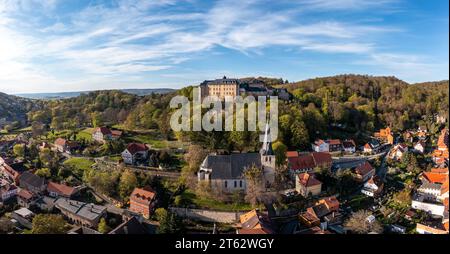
349,146
135,152
372,187
419,147
427,204
321,146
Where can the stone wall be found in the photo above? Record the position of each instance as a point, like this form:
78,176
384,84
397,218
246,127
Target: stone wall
207,215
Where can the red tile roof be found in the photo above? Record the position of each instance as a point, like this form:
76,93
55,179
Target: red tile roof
25,194
307,180
136,147
321,158
435,177
61,189
290,154
103,130
60,142
364,169
142,196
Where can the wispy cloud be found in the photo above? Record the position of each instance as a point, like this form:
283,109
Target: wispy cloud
133,38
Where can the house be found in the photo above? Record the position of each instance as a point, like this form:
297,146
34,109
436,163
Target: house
45,203
308,162
332,203
24,217
330,145
440,157
135,152
364,172
419,147
398,151
65,146
385,135
326,216
254,222
321,146
443,140
32,182
349,146
57,190
103,134
12,171
372,146
26,198
7,192
431,229
306,185
142,201
80,213
373,187
308,219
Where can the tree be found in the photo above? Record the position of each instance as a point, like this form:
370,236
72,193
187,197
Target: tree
358,223
19,150
37,129
48,224
6,226
300,136
280,153
103,226
128,181
254,180
195,156
43,172
169,223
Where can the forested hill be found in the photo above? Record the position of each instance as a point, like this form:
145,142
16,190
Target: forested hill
340,106
14,108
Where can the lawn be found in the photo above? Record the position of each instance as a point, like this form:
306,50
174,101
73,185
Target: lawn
79,163
213,204
85,134
360,202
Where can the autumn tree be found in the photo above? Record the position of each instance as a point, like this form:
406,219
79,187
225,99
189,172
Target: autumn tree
48,224
128,181
19,150
195,156
254,180
103,226
360,224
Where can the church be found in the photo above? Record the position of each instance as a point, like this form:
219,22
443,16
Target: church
226,172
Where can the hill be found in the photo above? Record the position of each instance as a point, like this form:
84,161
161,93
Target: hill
65,95
13,109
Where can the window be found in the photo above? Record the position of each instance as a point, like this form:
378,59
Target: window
240,183
235,184
226,184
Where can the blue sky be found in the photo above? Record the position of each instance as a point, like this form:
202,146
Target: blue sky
73,45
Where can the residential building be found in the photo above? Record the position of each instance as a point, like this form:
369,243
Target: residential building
364,172
431,229
254,222
332,203
330,145
135,152
419,147
80,213
398,151
26,198
308,162
32,182
307,185
373,187
349,146
386,135
104,134
57,190
24,217
65,146
142,201
12,171
7,192
372,146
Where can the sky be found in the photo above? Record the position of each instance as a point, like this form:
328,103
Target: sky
81,45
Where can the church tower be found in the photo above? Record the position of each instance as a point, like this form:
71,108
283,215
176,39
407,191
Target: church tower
268,157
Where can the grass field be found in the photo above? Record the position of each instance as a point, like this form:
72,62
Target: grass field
79,163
